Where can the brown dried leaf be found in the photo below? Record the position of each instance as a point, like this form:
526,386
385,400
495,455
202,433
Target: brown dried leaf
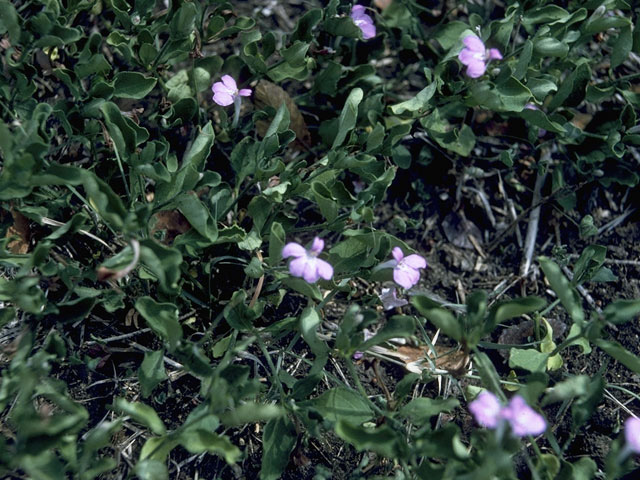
173,222
271,95
382,4
21,230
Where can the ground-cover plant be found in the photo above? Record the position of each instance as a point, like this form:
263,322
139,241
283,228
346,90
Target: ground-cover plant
320,282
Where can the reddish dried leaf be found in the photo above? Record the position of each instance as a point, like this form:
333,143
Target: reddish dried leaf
20,232
270,94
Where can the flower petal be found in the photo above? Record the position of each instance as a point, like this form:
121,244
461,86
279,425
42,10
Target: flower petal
405,276
467,57
494,54
368,29
357,10
245,92
476,69
324,269
220,87
415,261
310,273
632,434
298,266
397,253
318,245
293,249
486,409
230,83
523,419
223,99
472,42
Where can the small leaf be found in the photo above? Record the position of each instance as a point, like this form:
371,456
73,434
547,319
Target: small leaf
151,372
422,409
528,359
440,317
309,322
382,440
566,293
622,311
162,318
151,470
278,440
342,403
141,413
348,116
132,85
621,354
417,103
199,441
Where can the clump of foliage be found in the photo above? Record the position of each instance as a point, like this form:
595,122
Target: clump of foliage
192,203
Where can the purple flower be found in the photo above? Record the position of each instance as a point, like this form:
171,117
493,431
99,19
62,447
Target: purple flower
531,106
363,21
306,263
406,270
632,434
226,91
390,299
523,419
486,409
476,56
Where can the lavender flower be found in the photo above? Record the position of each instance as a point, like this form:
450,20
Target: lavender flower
406,270
476,56
226,91
363,21
523,419
486,409
306,263
632,434
390,299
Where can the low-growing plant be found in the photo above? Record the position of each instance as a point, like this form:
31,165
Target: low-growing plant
184,283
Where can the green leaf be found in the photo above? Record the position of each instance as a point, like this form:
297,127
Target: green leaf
309,322
589,263
563,288
278,440
201,147
182,23
198,215
105,201
141,413
162,318
132,85
151,372
621,47
573,88
9,21
550,47
251,412
548,345
328,206
567,389
420,410
276,244
151,470
343,27
503,311
621,354
348,116
584,406
417,103
528,359
163,262
200,441
622,311
306,289
487,372
343,404
441,318
382,440
398,326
